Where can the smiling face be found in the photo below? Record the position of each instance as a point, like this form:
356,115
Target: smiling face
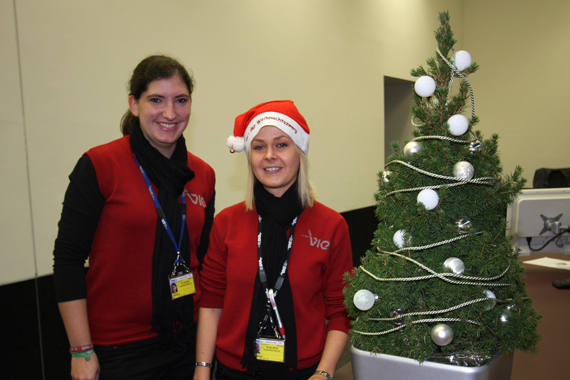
274,160
163,110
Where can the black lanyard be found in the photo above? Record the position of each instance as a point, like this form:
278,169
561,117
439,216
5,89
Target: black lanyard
262,274
272,293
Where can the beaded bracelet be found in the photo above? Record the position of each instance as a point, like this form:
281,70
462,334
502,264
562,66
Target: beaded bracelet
87,347
83,354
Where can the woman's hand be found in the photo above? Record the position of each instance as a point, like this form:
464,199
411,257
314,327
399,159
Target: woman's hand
74,315
202,373
335,343
208,319
82,369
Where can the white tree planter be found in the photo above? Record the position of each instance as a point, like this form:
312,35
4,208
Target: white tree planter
370,366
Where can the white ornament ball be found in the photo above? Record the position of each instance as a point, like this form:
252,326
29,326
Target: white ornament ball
463,170
412,148
458,124
425,86
399,238
364,299
454,265
462,60
428,198
441,334
491,303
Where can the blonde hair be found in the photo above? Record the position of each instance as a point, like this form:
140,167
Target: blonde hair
305,189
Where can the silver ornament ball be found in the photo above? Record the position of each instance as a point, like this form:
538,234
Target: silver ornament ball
475,146
454,265
492,300
441,334
412,148
463,225
386,176
463,170
507,313
398,313
505,316
498,184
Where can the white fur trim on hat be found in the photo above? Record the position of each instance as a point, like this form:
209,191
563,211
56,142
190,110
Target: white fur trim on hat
236,143
288,125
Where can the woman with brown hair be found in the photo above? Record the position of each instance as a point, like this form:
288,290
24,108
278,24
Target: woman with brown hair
140,208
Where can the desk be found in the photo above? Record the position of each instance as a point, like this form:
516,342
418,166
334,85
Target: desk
553,358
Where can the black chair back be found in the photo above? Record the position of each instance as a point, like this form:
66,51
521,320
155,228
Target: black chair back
551,178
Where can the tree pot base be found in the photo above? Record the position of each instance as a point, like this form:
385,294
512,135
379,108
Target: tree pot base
370,366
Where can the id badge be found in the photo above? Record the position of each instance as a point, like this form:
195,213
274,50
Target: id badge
270,349
181,285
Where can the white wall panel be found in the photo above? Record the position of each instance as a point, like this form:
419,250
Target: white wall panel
521,90
329,56
16,252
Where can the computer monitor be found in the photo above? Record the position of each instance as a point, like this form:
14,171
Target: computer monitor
539,221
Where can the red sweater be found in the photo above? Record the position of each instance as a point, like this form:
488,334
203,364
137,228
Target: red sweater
120,262
320,256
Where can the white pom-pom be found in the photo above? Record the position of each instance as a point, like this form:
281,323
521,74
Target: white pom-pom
236,143
230,141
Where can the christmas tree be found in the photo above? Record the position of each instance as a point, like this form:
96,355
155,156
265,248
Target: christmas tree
442,276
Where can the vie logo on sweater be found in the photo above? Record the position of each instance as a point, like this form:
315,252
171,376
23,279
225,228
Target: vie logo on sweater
316,242
195,198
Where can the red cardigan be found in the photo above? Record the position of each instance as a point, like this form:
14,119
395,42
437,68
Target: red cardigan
320,256
120,262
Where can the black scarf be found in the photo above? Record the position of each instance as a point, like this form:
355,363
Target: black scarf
172,320
277,214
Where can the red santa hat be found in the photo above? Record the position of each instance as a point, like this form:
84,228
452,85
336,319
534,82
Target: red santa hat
278,113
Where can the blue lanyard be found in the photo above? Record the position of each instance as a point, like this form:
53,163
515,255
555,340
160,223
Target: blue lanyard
162,216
